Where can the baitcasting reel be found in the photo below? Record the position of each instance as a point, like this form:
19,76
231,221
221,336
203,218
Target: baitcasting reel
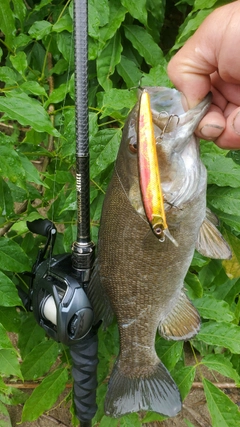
56,295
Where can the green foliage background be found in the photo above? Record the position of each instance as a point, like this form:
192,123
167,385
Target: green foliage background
129,42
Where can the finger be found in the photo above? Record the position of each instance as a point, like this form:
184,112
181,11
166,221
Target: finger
230,137
212,125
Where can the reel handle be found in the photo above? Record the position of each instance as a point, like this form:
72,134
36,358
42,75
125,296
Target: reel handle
42,227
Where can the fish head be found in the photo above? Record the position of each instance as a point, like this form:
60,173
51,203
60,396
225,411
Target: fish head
177,147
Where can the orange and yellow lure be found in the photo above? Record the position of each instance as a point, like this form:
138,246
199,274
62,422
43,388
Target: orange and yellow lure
149,174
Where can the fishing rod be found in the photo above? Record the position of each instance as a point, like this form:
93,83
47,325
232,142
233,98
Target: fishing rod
58,285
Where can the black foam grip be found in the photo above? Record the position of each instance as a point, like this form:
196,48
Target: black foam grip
40,226
84,372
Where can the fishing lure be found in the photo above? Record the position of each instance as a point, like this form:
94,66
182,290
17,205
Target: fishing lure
149,174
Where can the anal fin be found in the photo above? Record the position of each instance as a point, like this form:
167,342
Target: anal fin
157,392
183,321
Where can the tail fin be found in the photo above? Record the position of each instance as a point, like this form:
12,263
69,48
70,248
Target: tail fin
157,393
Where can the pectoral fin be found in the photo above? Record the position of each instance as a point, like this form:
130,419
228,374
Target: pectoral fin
210,242
183,321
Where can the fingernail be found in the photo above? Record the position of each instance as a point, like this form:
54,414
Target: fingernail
236,123
212,131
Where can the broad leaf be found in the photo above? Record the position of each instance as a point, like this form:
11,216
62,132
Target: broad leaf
193,286
184,378
12,257
5,420
11,166
8,293
130,420
108,422
19,62
117,14
222,171
169,352
129,71
40,29
225,199
211,308
9,363
144,44
45,395
219,363
40,360
27,111
136,9
104,149
232,266
107,61
30,335
6,200
7,24
223,411
221,334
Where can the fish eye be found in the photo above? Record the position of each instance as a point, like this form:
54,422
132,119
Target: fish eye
132,147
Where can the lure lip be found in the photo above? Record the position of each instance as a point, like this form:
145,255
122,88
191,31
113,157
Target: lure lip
149,173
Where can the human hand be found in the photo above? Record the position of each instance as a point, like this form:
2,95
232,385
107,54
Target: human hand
210,61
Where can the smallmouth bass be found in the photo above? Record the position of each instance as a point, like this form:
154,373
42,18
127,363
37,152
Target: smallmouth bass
142,277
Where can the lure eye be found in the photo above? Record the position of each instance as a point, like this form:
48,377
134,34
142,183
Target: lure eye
132,147
158,231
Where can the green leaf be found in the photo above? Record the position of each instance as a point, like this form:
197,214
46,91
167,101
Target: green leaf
117,14
9,364
19,10
157,74
225,199
30,335
221,364
12,257
5,342
64,24
7,24
130,420
6,200
32,174
220,334
10,318
8,75
232,266
190,25
40,29
104,150
223,411
39,360
33,87
211,308
193,286
8,292
144,44
169,352
5,420
116,100
129,71
19,62
222,171
184,378
108,422
27,111
107,61
136,9
10,165
65,45
45,395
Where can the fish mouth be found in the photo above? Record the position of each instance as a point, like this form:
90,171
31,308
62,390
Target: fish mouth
149,172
